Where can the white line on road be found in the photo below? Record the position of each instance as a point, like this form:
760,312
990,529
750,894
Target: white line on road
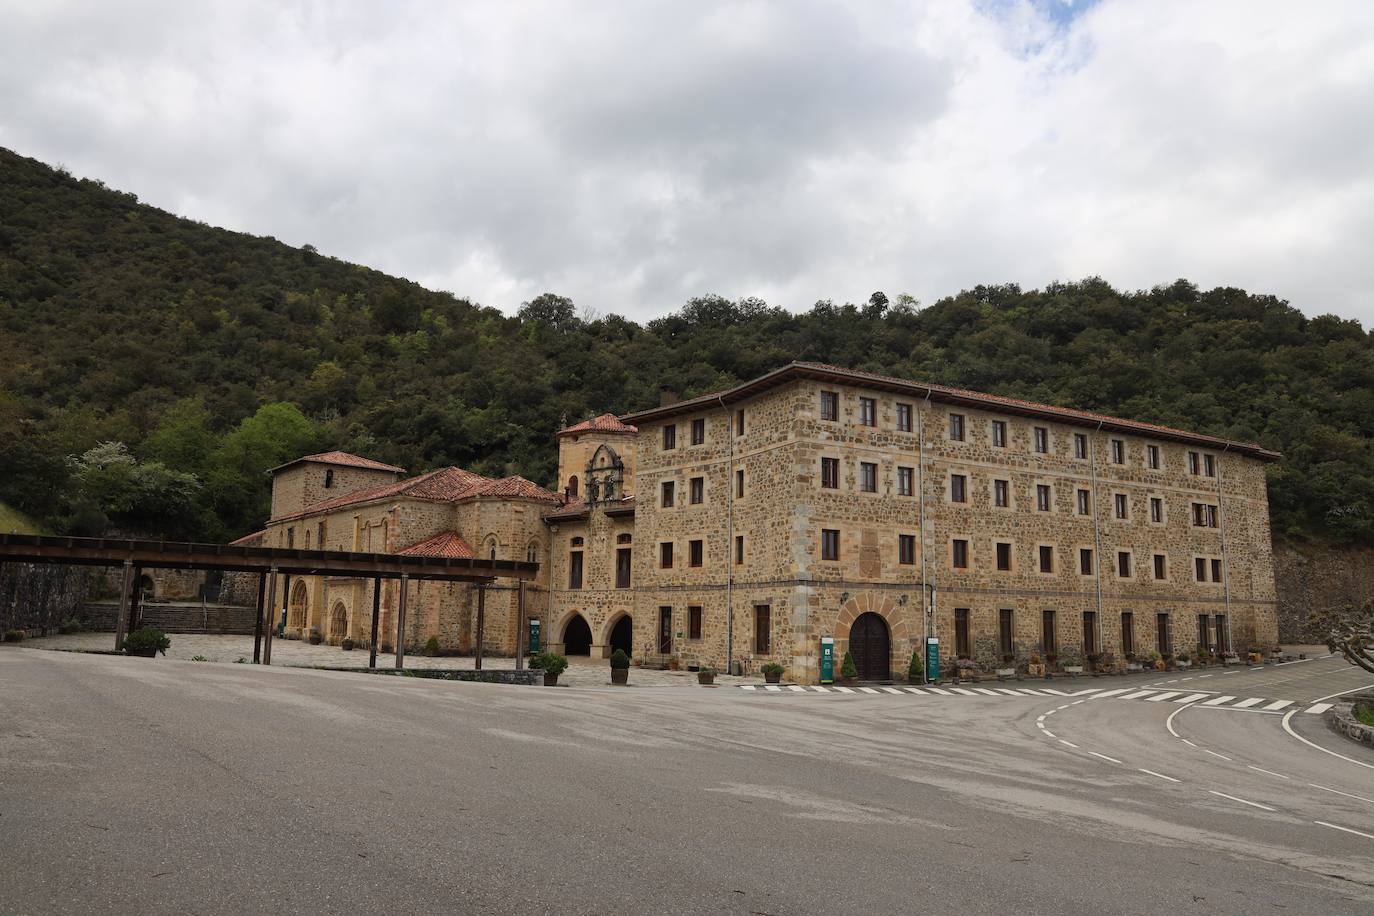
1269,772
1287,718
1332,696
1247,702
1160,775
865,690
1191,698
748,687
1318,708
1032,691
1104,756
1278,704
1163,696
1007,690
796,688
967,693
1137,695
1187,742
940,690
1369,836
1215,754
1047,731
915,690
1339,792
819,689
1050,712
845,689
891,690
986,690
1217,701
1243,801
1111,693
1069,743
773,687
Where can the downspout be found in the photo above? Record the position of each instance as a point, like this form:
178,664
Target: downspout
927,593
1097,532
1225,566
730,547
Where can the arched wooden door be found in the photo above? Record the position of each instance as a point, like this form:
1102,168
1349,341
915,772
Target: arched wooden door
871,646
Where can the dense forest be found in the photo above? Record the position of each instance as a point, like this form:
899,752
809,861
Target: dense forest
152,367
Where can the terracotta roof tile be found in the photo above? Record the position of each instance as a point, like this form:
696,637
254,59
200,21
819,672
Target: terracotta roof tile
443,485
443,544
343,459
514,488
249,540
606,423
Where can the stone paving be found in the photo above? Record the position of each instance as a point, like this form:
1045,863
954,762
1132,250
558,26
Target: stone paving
581,672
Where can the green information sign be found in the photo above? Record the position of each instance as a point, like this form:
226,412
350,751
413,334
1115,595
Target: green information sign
933,658
534,635
827,660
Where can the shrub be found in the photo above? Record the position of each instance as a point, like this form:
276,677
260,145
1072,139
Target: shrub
241,660
432,646
772,668
550,662
147,638
346,643
14,636
847,666
619,659
199,658
69,626
915,668
707,670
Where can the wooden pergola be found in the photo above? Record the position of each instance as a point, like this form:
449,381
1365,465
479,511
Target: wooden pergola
269,563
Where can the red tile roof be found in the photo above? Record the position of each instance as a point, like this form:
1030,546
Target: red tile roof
515,488
946,394
606,423
343,459
444,485
249,540
443,544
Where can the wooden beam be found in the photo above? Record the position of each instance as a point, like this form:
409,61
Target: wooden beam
271,612
257,621
401,624
123,604
520,628
481,624
376,617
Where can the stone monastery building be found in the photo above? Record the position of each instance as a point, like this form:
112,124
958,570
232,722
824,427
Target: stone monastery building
742,527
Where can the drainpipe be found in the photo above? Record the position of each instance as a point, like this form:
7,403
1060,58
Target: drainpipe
927,592
1097,531
1225,566
729,542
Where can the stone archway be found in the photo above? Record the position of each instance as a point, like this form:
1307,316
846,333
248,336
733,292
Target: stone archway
621,635
902,625
295,611
338,623
870,645
577,636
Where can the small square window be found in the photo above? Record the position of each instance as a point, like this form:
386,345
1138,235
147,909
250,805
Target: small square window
830,544
1003,557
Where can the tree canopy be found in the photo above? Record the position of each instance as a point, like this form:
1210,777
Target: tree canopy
212,355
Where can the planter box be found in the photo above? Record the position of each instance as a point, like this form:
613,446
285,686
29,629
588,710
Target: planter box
1134,666
1185,664
620,676
1073,670
1006,674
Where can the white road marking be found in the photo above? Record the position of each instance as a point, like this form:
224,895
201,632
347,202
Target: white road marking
1247,702
1244,802
1319,708
1287,717
773,687
1050,712
1137,695
796,688
985,690
867,690
1008,691
820,689
915,690
1332,696
748,687
939,690
1047,731
1160,775
1111,693
1217,701
1339,792
1069,743
967,693
1369,836
1104,756
1278,704
845,689
1191,698
1163,696
1201,676
1269,772
1187,742
1215,754
891,690
1032,691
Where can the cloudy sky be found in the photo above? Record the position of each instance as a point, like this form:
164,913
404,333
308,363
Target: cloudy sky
634,154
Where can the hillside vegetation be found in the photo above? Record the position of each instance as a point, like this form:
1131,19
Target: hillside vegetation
152,367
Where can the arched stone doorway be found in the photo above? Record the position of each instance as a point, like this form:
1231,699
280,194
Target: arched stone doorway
623,635
338,623
146,587
870,644
577,636
295,614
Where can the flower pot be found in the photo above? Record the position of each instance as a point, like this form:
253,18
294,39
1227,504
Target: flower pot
620,676
142,653
772,677
845,681
550,680
705,678
915,679
314,639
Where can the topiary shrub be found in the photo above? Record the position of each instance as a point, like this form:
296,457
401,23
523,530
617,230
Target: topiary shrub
620,660
847,666
147,641
14,636
432,646
550,663
346,644
772,668
915,669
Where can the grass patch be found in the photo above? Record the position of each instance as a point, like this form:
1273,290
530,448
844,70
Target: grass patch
1365,714
12,520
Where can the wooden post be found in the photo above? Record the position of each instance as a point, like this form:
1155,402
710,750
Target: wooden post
401,623
286,603
136,603
520,627
271,614
481,623
257,623
123,604
376,615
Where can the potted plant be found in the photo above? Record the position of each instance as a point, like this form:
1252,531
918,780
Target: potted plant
314,636
14,636
1036,668
147,643
552,665
964,668
674,663
1256,655
772,672
1070,664
706,675
620,667
1184,660
346,644
915,669
849,672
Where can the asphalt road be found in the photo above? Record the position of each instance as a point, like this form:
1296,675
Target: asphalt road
129,785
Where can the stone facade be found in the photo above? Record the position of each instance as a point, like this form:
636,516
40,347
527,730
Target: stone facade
743,527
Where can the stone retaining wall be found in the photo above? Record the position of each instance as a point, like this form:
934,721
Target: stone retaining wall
1343,720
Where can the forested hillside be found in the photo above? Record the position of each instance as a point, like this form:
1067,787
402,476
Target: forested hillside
152,368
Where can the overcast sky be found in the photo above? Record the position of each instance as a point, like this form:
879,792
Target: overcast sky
632,155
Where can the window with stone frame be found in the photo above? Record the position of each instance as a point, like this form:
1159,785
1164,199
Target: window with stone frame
868,477
670,437
1049,636
694,621
906,481
830,405
1209,466
1001,493
1157,509
903,418
739,483
1194,461
575,569
1204,515
956,427
830,473
1080,445
959,553
1161,566
1085,502
1127,633
1123,564
1200,569
963,645
1006,634
666,491
1003,556
1042,497
699,431
665,555
1216,570
1164,642
1121,506
329,479
830,544
1046,553
1042,440
1152,457
906,549
739,422
999,433
763,629
868,412
695,552
1085,561
1118,452
696,490
622,567
958,488
739,550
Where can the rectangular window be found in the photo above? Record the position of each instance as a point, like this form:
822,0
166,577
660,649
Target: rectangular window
1090,632
1123,564
666,489
1127,633
696,490
1042,497
1204,515
1152,457
1211,516
1085,561
1003,557
575,569
963,647
1200,569
830,405
906,482
1049,638
1193,463
1156,509
1085,502
1122,506
1046,559
958,488
1209,465
622,567
959,554
739,549
956,427
290,537
1006,637
694,621
999,433
739,422
1163,642
1161,566
904,418
694,553
868,412
1216,570
665,631
868,477
1080,445
830,544
1042,440
698,431
669,437
739,484
665,555
763,629
1000,491
1223,634
830,473
1118,452
1204,635
906,549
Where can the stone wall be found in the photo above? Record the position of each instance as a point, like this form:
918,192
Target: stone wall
39,598
1315,578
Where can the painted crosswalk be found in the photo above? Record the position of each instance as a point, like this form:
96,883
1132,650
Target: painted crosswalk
1081,694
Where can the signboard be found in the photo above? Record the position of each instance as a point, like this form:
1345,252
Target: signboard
932,658
827,660
534,635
